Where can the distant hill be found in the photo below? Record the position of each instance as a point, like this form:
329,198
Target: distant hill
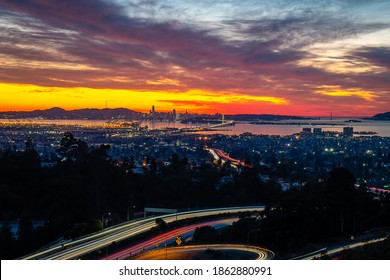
382,117
57,113
89,114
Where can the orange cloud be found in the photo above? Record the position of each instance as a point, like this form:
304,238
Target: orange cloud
29,97
338,91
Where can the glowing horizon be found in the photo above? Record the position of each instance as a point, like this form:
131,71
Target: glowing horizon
256,57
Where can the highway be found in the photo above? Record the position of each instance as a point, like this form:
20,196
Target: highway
166,238
338,248
76,248
334,250
177,253
217,154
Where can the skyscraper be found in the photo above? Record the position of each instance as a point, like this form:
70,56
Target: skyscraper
317,131
306,130
348,131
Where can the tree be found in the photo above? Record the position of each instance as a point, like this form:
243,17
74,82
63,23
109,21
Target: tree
31,157
94,225
26,231
66,142
7,243
205,234
175,162
29,145
340,179
99,155
161,224
72,149
340,188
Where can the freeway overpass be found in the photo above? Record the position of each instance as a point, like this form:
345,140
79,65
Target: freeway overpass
84,245
178,253
362,239
165,239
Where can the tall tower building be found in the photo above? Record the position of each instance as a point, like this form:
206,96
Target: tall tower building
317,131
348,131
306,130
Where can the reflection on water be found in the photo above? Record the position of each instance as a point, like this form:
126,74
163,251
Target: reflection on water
382,128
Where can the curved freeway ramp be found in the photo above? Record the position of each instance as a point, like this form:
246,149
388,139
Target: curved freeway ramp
197,251
84,245
159,240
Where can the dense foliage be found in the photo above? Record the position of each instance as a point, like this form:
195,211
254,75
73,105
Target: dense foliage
87,190
318,214
75,196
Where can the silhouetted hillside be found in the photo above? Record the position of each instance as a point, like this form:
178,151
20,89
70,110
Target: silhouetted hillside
382,117
59,113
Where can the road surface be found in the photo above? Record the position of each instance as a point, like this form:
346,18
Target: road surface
217,154
76,248
182,252
332,249
167,238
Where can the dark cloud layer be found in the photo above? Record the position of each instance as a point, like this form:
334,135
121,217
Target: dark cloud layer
119,51
377,55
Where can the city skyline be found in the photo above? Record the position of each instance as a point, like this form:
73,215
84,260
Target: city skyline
254,57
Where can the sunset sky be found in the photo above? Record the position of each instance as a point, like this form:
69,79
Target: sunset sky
249,56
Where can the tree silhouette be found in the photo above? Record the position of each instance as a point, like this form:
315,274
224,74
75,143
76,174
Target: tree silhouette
72,149
161,224
341,192
25,231
205,234
7,243
31,159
